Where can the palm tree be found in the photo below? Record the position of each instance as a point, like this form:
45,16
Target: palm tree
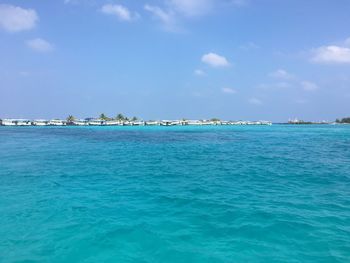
103,117
134,118
345,120
120,117
70,119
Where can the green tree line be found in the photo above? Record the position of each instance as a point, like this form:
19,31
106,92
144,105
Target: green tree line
343,120
119,117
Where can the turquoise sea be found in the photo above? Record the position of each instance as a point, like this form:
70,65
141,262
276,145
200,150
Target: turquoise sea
276,193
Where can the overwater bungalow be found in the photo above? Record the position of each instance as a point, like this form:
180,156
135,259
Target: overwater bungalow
15,122
170,122
79,122
102,122
57,122
40,123
113,123
194,122
96,122
138,123
152,123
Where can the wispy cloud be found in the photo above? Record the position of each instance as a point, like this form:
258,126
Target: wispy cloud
166,17
281,74
191,8
172,12
40,45
287,80
215,60
228,90
309,86
199,72
122,12
332,54
15,19
255,101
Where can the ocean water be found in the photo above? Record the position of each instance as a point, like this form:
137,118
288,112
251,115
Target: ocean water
175,194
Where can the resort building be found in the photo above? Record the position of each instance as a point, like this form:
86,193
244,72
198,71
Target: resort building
40,123
138,123
101,122
170,122
152,123
79,122
96,122
15,122
57,122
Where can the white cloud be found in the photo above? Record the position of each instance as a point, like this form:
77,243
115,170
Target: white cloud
199,72
331,54
122,12
281,74
15,19
40,45
192,7
172,12
166,17
215,60
309,86
255,101
228,91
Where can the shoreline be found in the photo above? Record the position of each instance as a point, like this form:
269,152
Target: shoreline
100,122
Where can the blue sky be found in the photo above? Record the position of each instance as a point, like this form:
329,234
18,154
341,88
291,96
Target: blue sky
165,59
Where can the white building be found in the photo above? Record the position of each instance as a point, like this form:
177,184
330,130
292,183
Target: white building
96,122
79,122
152,123
57,122
16,122
40,123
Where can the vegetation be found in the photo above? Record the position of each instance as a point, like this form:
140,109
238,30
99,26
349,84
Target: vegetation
301,122
120,117
104,117
343,120
70,119
215,119
134,118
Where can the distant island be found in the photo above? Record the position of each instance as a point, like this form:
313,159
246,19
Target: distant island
343,120
338,121
121,120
